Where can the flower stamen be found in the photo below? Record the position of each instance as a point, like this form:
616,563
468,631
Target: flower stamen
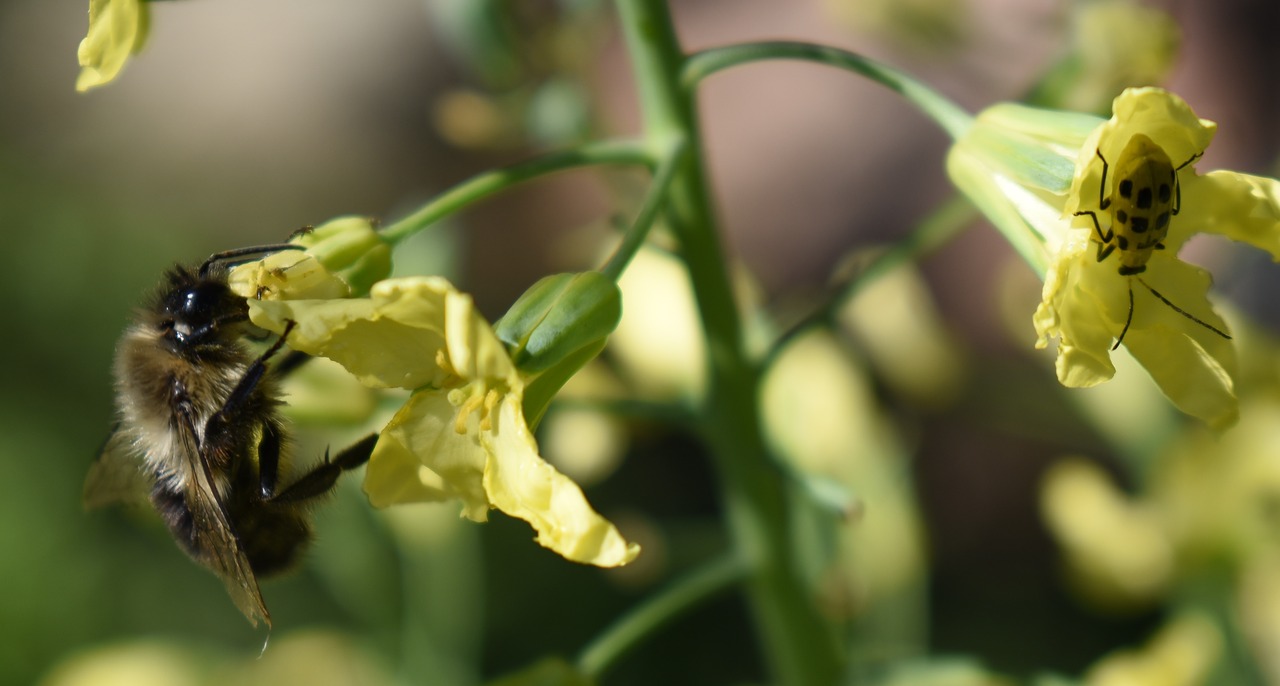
472,402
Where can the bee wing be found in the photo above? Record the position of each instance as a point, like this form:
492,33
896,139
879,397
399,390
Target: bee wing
213,533
117,475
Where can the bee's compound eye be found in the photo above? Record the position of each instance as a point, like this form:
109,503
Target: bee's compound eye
200,303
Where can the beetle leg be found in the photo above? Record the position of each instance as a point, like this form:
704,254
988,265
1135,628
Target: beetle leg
1177,185
1102,237
1104,250
1103,203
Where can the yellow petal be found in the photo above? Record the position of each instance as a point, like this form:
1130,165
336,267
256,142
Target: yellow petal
1184,651
393,339
1193,366
522,484
474,349
1077,310
1162,116
117,29
1241,207
420,456
1156,113
286,275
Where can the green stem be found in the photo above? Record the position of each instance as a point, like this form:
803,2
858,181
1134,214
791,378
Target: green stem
799,644
939,227
488,183
945,113
629,631
654,201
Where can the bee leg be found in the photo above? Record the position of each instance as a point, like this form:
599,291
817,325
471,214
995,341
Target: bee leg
229,414
321,479
268,459
291,361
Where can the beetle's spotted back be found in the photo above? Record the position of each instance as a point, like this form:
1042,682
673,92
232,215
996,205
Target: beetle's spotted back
1142,202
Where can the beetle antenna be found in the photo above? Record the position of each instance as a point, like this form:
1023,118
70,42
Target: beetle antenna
1129,320
1175,308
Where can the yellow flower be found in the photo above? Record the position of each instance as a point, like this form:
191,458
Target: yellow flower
1014,164
462,435
117,29
1184,651
1115,548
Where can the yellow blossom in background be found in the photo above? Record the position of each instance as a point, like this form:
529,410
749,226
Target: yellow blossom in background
659,344
820,415
902,333
1182,653
1258,605
1114,44
1117,551
462,434
137,663
1218,493
117,29
1119,43
1037,175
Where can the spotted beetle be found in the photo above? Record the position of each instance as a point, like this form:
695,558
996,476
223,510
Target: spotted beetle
1146,197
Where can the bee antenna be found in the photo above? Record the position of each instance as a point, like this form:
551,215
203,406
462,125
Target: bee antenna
230,256
1175,308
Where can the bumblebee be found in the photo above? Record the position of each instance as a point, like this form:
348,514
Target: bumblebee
1146,197
200,434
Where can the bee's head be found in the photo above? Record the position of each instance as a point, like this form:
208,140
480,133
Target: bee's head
199,308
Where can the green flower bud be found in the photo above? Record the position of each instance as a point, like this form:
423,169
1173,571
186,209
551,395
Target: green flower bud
351,249
558,316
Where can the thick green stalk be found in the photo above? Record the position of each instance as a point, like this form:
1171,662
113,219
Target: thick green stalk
798,642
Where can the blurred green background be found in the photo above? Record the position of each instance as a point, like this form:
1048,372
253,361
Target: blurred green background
242,121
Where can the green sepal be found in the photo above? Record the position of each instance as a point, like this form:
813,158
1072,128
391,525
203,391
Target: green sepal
539,392
350,248
558,316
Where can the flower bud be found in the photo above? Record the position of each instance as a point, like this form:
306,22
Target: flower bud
342,258
558,316
351,249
